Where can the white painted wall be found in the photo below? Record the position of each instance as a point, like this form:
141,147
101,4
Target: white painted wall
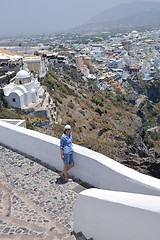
19,99
126,214
17,122
38,145
105,173
108,215
91,167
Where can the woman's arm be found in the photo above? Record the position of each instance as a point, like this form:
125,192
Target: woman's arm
62,154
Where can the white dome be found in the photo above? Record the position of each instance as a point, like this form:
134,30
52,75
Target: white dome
23,74
134,32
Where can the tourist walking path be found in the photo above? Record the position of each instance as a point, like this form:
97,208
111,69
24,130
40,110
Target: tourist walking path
34,202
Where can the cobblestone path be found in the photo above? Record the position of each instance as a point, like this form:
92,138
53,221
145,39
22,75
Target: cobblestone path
34,204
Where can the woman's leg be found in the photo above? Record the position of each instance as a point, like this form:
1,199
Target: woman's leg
71,161
63,174
65,171
70,166
65,168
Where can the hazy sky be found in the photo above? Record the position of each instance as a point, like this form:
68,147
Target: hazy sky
21,16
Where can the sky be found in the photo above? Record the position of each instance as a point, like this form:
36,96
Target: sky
42,16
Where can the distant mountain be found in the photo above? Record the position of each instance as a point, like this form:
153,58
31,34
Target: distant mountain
131,15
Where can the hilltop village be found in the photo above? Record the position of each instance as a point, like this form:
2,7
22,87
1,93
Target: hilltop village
105,85
107,60
97,58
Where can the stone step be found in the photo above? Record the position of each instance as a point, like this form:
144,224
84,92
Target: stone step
33,204
79,236
29,237
50,236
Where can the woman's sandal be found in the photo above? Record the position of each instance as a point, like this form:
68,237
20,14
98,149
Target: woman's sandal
68,179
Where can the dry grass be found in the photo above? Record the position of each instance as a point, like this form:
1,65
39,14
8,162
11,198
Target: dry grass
118,118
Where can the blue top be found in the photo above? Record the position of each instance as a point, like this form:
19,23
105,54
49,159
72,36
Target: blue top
66,143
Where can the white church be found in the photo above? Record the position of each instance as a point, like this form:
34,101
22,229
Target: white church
24,91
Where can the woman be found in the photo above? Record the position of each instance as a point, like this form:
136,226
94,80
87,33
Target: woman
66,149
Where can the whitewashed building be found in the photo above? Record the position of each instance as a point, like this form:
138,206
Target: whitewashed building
24,91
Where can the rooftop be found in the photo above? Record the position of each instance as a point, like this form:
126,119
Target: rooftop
23,74
9,54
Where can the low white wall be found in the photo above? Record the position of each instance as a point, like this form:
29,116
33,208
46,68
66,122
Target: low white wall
100,214
35,144
17,122
103,214
91,167
104,173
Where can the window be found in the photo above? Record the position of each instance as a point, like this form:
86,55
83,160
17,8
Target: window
13,100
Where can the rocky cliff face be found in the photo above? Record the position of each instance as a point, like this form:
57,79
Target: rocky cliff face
153,91
110,124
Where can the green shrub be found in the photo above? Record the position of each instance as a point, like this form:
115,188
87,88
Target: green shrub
62,90
147,140
101,104
53,74
149,143
62,95
71,122
93,125
29,125
98,110
149,106
55,101
82,112
84,96
5,101
94,100
8,78
79,129
154,135
71,105
58,99
111,96
148,122
119,114
1,93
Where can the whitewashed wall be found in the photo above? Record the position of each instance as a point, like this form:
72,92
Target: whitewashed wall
126,214
38,145
17,122
91,167
108,215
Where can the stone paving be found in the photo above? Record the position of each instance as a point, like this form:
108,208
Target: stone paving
34,202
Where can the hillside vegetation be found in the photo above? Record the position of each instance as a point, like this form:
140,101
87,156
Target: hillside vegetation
106,122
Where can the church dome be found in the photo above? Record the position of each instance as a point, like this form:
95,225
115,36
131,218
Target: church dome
134,32
22,74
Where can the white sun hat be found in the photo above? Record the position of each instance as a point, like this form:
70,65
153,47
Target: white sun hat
67,127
